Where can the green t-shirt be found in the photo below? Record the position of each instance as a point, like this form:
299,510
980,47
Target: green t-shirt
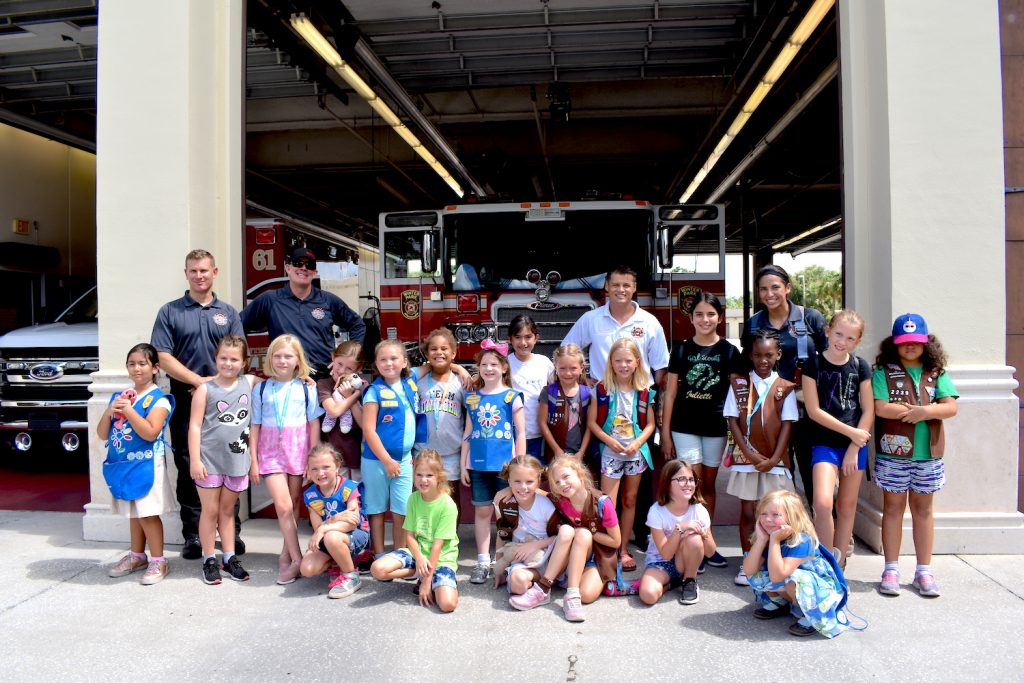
943,388
431,521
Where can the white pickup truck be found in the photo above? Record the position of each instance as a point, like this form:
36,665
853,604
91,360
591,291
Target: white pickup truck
45,377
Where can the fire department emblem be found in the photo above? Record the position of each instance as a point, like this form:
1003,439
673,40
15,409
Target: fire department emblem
220,319
687,299
637,331
319,313
410,304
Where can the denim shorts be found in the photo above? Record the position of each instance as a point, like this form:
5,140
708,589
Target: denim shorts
485,486
444,577
380,489
535,447
358,539
666,566
899,475
699,450
834,456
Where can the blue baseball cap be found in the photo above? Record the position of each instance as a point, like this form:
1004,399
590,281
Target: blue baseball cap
910,328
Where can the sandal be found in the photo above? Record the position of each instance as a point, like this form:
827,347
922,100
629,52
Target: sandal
627,561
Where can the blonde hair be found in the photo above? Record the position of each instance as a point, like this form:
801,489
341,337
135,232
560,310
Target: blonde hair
301,368
577,466
641,378
431,458
324,448
849,316
349,349
506,369
796,515
527,461
381,345
568,351
199,255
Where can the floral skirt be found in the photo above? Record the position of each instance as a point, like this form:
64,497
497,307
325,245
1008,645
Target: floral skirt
817,595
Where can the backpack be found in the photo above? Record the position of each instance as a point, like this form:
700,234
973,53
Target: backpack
305,393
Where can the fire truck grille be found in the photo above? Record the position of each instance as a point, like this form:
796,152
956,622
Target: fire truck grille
553,325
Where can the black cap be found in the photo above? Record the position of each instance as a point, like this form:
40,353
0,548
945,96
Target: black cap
303,254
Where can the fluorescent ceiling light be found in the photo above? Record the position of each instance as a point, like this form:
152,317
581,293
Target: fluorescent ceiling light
782,61
316,40
819,243
807,233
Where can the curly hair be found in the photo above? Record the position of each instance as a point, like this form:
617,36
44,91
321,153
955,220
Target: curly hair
933,358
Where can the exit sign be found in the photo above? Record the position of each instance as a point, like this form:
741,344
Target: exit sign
22,227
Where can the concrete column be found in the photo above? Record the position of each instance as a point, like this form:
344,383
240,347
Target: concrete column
169,179
923,193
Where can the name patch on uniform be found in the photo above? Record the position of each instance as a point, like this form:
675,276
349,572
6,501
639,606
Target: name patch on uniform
389,404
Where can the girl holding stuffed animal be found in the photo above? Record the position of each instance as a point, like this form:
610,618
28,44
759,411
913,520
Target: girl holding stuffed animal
284,427
622,418
761,409
913,395
218,445
135,470
586,547
527,524
339,396
680,535
790,572
495,432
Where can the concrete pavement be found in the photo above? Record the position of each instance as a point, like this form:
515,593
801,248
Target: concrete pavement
62,618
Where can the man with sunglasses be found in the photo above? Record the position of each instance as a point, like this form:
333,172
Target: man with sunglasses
305,311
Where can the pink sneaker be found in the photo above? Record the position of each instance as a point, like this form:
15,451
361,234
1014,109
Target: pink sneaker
333,572
890,584
288,574
572,607
126,565
155,572
926,585
533,597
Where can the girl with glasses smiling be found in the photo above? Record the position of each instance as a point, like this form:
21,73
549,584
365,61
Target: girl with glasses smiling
680,535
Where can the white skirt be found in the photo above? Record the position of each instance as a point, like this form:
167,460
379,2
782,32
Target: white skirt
753,485
159,500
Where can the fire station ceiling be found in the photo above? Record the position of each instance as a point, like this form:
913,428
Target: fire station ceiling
555,99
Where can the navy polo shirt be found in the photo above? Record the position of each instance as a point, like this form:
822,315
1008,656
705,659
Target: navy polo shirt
816,341
310,319
190,331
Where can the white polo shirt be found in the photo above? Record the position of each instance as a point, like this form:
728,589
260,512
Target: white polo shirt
599,330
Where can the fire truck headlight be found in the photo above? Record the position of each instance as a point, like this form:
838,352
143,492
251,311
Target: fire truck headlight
480,333
462,334
543,292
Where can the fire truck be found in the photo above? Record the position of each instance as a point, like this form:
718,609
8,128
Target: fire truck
474,267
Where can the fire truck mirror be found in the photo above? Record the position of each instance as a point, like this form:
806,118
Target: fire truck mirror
428,252
664,255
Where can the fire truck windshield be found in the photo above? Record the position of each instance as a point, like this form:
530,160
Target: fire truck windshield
504,246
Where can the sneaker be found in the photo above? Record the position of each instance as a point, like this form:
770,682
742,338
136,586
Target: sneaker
363,561
328,423
239,546
717,560
615,589
345,422
193,549
890,584
741,578
533,597
333,572
572,607
126,565
288,574
689,593
703,566
801,628
211,572
235,570
926,585
480,573
764,613
155,572
344,586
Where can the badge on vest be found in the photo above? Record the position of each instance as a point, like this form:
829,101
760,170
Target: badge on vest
895,445
387,393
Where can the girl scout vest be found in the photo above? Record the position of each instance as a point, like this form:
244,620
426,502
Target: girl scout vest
606,409
764,437
492,438
328,506
895,438
508,518
591,518
391,416
128,469
558,411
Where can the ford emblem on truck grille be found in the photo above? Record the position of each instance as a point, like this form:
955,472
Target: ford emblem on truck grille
45,372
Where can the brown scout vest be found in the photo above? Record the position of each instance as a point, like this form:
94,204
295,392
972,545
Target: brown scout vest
508,518
590,518
764,439
896,438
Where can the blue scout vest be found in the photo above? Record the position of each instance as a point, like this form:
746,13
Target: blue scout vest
328,506
607,409
391,419
129,469
492,439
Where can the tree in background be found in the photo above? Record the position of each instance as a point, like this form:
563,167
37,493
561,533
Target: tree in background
818,288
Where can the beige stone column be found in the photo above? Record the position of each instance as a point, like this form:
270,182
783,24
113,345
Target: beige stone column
923,193
169,179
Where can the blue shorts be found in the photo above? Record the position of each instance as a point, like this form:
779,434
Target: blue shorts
444,577
535,447
899,475
358,539
834,456
485,486
380,488
667,567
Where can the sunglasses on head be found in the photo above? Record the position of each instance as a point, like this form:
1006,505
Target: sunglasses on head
306,263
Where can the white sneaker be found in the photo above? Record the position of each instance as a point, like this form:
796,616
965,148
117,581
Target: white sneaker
741,578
